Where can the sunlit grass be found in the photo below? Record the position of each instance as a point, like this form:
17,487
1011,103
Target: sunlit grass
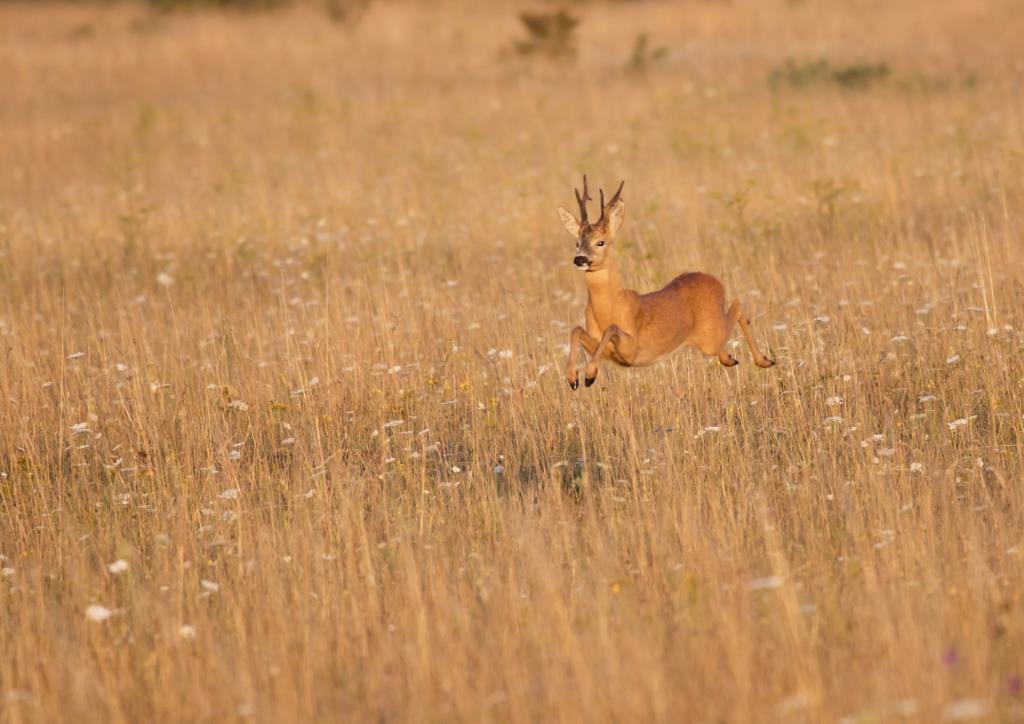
285,308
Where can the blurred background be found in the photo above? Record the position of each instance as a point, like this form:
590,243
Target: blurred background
284,312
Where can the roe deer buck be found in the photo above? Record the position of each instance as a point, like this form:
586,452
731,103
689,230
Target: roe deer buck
633,329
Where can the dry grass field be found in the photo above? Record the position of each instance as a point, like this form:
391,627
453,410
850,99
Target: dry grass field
284,312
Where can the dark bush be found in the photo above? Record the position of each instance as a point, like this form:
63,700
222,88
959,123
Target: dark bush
549,34
228,4
799,74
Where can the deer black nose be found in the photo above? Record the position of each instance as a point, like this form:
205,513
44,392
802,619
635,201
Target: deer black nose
581,261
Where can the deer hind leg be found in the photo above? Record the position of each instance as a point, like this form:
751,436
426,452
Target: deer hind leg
579,336
715,343
625,346
736,316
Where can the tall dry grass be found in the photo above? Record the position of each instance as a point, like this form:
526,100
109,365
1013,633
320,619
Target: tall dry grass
283,317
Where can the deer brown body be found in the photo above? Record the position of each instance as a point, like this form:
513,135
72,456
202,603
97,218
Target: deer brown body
634,329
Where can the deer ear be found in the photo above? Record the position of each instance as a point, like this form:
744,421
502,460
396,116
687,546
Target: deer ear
569,222
613,216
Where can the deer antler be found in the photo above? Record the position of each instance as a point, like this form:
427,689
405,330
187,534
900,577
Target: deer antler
582,200
612,201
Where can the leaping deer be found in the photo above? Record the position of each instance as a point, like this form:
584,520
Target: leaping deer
635,330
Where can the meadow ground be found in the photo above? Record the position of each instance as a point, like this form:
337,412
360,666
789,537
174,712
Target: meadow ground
284,315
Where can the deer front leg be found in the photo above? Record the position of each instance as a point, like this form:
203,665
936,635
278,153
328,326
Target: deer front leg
579,336
624,344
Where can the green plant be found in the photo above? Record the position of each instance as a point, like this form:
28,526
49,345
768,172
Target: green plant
644,56
827,194
549,34
860,75
736,204
799,74
346,11
226,4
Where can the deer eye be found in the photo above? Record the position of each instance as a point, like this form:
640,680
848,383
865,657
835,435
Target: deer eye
600,243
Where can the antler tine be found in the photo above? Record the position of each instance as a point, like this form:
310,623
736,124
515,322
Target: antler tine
612,201
583,207
582,200
617,193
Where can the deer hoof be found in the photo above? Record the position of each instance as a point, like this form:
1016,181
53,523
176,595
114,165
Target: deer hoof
588,381
574,384
767,363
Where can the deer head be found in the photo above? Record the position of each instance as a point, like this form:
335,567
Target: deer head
593,240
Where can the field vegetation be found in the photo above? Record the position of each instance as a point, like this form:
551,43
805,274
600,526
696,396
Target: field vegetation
284,307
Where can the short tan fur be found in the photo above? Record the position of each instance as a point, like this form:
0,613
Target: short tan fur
634,330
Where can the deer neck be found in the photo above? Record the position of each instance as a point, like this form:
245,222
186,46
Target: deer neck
604,287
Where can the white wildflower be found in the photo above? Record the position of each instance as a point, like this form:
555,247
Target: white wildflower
907,707
766,583
246,710
211,586
98,613
187,632
164,279
118,566
80,428
790,705
966,709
